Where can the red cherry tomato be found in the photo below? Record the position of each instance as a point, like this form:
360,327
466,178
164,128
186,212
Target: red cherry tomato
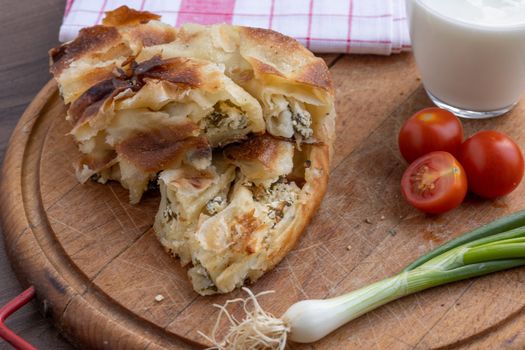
434,183
493,163
429,130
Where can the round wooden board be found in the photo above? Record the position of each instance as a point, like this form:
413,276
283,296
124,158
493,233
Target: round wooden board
97,266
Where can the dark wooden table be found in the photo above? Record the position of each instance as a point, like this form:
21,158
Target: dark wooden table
28,28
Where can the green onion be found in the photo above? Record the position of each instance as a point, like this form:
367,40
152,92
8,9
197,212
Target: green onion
494,247
501,225
311,320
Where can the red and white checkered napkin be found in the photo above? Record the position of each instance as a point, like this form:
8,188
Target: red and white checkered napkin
346,26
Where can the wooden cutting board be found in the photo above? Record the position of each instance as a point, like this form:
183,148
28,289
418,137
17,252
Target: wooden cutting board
97,266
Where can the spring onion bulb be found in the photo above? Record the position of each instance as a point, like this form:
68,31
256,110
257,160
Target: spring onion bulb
488,249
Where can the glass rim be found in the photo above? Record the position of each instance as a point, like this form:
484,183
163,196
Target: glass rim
469,24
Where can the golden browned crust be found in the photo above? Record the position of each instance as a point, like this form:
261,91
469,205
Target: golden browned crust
107,37
99,163
97,74
315,73
246,226
277,43
124,15
263,148
157,149
279,48
88,104
151,36
181,72
88,40
261,68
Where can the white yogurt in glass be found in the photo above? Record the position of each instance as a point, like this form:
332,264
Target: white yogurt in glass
470,53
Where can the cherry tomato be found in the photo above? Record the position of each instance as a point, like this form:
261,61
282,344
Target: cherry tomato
493,163
429,130
434,183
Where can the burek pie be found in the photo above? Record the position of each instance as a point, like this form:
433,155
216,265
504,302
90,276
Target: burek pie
235,124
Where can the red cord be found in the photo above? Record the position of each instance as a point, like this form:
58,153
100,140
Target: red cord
15,304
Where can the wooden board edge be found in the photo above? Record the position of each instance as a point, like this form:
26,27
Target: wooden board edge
114,327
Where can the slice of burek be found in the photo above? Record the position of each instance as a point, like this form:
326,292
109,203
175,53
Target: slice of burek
235,220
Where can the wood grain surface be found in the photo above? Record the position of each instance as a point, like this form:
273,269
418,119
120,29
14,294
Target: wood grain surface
28,28
97,266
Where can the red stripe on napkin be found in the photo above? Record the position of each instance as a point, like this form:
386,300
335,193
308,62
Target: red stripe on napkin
101,12
309,33
350,17
205,12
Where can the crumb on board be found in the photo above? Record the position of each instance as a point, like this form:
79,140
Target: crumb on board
159,297
368,221
348,247
382,217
